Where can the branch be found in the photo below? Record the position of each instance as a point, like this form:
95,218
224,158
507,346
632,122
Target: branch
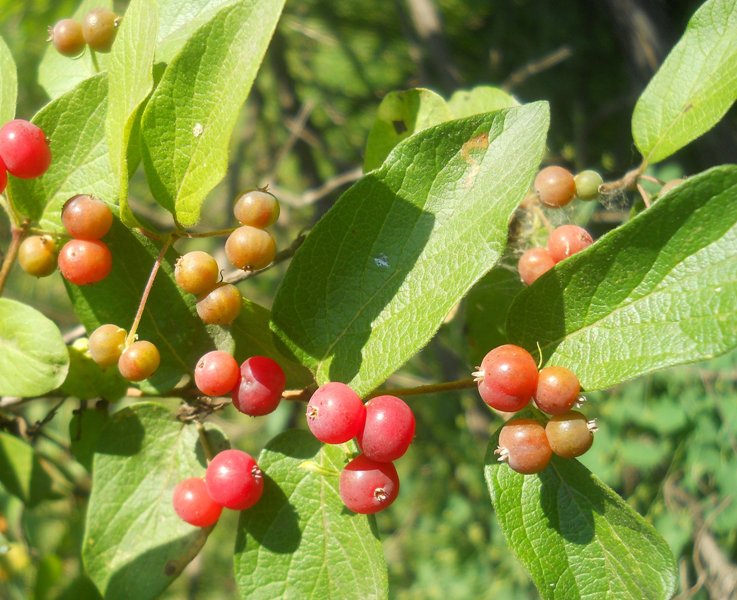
318,193
536,66
18,233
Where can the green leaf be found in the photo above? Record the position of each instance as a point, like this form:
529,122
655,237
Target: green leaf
34,357
400,115
20,471
131,81
187,123
658,291
693,88
576,536
75,124
378,274
84,432
59,74
169,321
299,540
179,19
135,545
8,83
86,379
481,99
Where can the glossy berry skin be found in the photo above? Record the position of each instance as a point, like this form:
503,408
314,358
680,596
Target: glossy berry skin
250,249
216,373
221,306
534,263
106,344
99,28
86,217
234,480
335,413
139,361
587,184
557,390
555,186
37,255
508,378
389,429
524,446
257,209
570,434
85,261
193,504
260,388
23,149
196,272
568,240
67,37
367,486
3,176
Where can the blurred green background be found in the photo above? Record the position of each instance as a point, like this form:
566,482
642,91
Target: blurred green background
666,442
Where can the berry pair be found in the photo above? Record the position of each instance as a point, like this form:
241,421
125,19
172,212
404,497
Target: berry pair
556,186
527,446
251,247
232,480
97,30
384,428
136,362
24,151
508,379
256,386
563,242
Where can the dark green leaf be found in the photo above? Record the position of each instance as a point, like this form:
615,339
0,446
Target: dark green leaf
135,545
400,115
658,291
84,432
8,83
300,540
694,87
21,474
34,357
187,123
379,273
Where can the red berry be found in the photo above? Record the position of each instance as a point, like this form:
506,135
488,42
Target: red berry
106,344
23,149
367,486
193,504
197,272
37,255
335,413
507,378
221,306
524,445
567,240
534,263
234,480
3,176
555,186
85,261
216,373
389,429
557,390
86,217
257,209
250,249
570,434
139,361
259,391
67,37
99,28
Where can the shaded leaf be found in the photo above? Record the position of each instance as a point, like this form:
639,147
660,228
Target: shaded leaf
85,427
20,472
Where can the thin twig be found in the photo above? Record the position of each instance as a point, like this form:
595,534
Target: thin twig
18,233
295,132
537,66
318,193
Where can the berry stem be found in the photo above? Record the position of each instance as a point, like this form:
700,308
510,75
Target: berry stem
203,234
147,290
206,447
95,63
626,183
18,233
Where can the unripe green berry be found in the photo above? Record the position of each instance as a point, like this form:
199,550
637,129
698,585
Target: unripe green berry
587,184
106,344
37,255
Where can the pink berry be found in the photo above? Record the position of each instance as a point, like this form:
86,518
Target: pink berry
216,373
234,480
524,445
259,391
86,217
534,263
389,429
507,378
23,149
335,413
193,504
85,261
367,486
567,240
557,390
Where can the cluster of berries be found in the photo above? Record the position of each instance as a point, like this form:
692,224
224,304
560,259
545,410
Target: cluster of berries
24,151
564,241
508,379
232,480
250,248
555,186
383,427
137,360
97,30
